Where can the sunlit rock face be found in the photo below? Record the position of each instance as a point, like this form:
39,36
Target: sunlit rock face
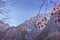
3,26
42,21
52,29
30,29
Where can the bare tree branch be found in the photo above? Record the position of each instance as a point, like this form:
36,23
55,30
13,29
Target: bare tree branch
51,1
41,6
47,3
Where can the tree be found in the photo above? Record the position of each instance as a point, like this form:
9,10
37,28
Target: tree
47,4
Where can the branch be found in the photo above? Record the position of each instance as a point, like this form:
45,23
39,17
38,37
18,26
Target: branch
41,6
51,1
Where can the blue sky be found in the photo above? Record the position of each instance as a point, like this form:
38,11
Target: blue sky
23,10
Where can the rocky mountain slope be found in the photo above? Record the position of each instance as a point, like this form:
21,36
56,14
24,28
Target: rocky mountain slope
25,31
3,26
52,29
29,28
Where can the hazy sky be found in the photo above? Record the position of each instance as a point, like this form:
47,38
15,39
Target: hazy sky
23,10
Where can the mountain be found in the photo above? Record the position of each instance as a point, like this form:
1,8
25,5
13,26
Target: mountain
3,26
52,29
30,29
11,34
